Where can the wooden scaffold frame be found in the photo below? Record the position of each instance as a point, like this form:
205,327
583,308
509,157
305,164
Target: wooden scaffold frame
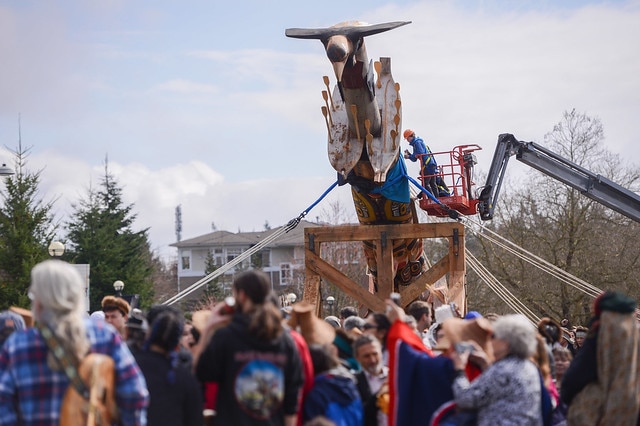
453,264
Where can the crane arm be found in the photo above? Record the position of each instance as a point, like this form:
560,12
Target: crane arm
592,185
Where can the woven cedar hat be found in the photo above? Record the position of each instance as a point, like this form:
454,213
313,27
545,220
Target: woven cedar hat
110,303
550,329
313,329
459,330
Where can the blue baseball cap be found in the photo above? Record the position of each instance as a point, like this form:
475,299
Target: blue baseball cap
472,315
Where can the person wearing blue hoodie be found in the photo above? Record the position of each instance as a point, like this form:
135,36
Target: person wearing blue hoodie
334,394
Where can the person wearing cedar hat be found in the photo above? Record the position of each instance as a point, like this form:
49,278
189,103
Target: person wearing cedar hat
313,329
116,312
333,392
510,390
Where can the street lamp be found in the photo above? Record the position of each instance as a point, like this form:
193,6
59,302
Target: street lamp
56,249
6,170
118,286
330,301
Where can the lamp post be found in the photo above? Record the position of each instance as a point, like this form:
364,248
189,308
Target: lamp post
118,286
56,249
330,301
6,170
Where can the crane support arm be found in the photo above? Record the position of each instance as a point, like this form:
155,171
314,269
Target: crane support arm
592,185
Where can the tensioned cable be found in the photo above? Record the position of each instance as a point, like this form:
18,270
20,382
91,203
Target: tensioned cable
503,293
493,283
553,270
536,261
568,278
227,266
248,253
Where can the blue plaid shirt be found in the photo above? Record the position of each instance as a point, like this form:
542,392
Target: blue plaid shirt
31,393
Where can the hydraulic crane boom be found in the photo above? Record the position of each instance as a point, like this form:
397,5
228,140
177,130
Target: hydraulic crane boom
592,185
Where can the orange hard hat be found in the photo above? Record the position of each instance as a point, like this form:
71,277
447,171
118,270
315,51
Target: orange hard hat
408,133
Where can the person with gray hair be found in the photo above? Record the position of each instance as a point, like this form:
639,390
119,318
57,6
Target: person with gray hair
508,392
373,377
32,381
354,322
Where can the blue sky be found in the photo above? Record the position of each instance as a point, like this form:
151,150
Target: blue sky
208,105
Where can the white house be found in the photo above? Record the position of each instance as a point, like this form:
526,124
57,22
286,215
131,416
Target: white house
283,259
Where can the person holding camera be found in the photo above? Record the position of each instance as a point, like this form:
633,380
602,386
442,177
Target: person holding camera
509,391
251,357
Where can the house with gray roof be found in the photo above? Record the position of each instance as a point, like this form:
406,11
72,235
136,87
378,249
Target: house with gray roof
282,260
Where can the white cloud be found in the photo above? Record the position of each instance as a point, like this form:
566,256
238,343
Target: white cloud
187,87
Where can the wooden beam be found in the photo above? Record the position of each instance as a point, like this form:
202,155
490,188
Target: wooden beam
457,271
311,293
327,271
392,232
424,281
384,254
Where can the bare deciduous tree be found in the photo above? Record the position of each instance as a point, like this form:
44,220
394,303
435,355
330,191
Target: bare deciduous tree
573,232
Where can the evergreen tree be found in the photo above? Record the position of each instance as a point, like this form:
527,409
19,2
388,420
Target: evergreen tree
26,228
215,288
101,235
165,278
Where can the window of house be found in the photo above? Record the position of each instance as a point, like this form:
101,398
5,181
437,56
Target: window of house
285,273
185,260
218,257
233,253
266,258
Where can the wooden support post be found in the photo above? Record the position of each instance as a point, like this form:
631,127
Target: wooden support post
384,254
311,292
457,271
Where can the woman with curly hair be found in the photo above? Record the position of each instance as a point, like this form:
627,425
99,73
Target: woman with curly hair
509,391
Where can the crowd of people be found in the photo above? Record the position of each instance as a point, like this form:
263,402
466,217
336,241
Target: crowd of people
253,362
